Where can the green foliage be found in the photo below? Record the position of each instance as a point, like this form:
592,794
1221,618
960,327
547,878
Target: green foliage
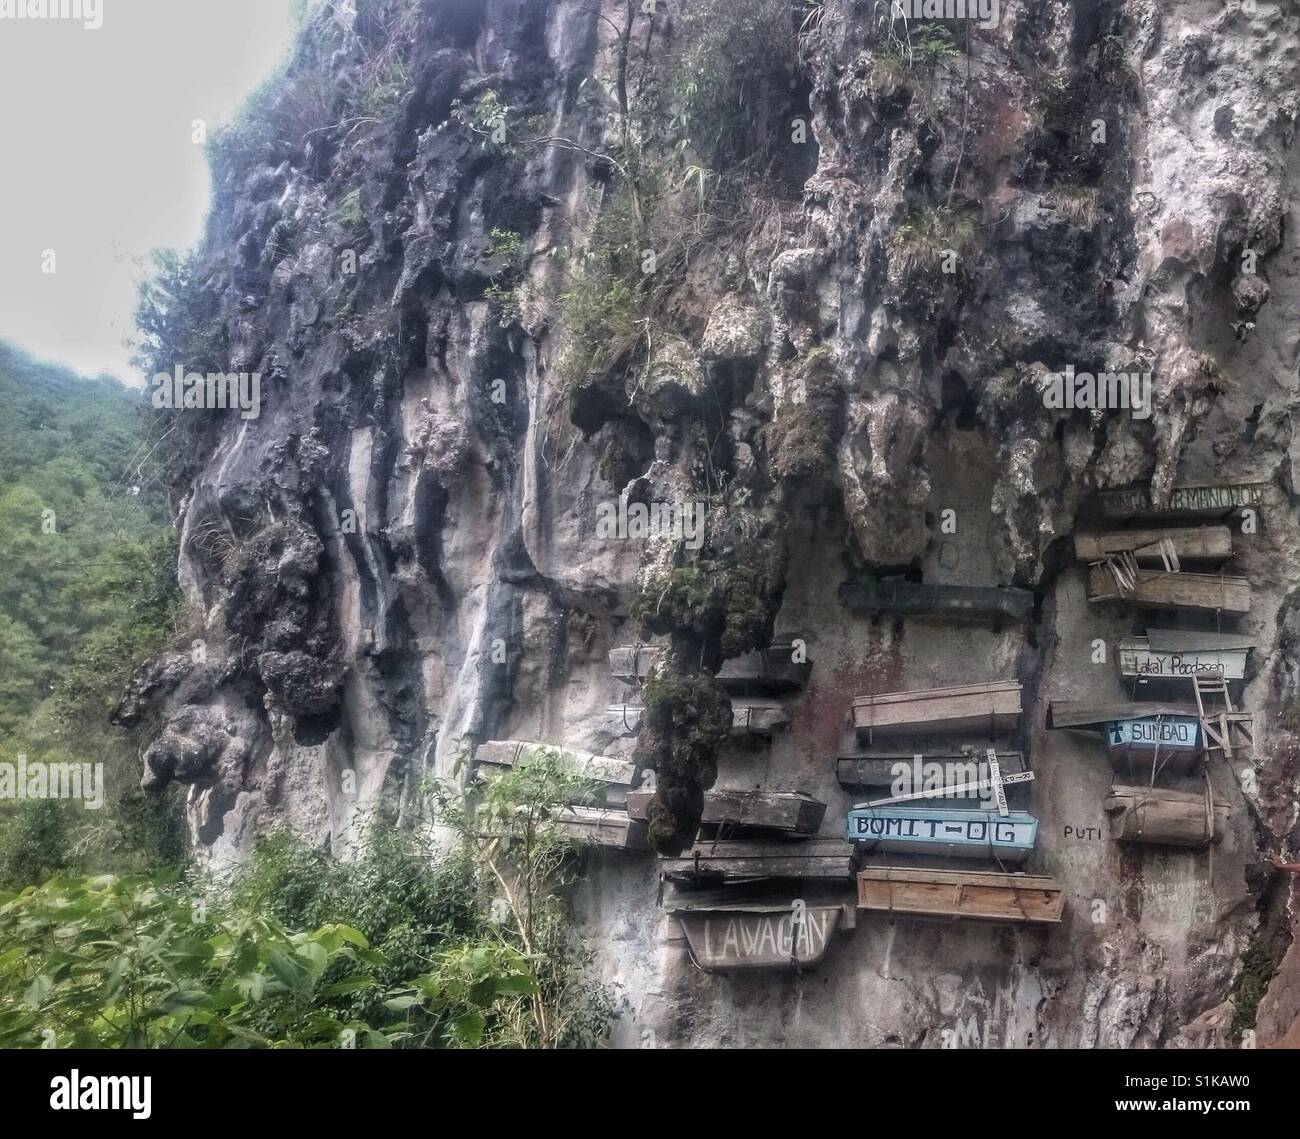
932,44
808,425
511,830
177,318
919,244
504,243
135,962
1257,970
348,213
89,592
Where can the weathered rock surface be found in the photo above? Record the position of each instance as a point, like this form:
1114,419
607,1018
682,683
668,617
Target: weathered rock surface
401,555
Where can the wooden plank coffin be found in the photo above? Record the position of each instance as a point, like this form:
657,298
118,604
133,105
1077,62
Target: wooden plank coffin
777,668
958,895
603,828
1160,817
748,717
1210,500
1176,657
948,832
817,859
992,708
861,772
742,936
1156,589
781,812
1174,744
1191,543
954,601
614,776
1082,714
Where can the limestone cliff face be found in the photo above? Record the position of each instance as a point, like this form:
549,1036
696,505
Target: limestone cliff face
407,557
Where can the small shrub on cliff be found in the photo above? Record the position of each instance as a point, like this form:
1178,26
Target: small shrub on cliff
686,718
808,426
924,238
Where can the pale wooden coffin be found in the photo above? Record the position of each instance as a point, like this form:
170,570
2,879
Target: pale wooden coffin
960,895
1157,589
1191,543
1165,818
615,777
1174,657
991,708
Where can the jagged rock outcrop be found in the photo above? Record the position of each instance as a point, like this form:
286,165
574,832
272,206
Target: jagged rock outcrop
402,555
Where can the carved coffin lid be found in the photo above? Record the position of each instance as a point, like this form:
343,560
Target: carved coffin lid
1157,589
1215,499
789,812
969,707
749,717
959,895
757,935
1192,543
976,601
948,831
617,775
743,861
774,668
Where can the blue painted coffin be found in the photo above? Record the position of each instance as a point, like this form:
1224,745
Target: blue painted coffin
951,832
1173,743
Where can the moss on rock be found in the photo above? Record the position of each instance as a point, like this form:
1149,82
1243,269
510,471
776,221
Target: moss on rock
807,429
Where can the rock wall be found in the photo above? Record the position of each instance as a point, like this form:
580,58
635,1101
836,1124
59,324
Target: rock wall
401,555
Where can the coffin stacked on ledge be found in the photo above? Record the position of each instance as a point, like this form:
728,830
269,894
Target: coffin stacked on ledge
1187,675
755,682
912,820
607,825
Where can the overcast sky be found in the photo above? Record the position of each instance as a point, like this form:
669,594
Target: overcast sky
97,162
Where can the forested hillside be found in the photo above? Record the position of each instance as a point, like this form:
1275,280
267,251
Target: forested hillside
87,589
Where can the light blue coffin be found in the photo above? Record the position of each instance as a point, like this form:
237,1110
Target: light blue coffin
951,832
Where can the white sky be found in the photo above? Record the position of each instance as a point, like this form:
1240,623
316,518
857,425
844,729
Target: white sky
97,162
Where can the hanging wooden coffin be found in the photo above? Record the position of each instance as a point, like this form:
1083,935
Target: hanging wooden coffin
748,717
949,832
817,859
1165,818
614,777
1152,547
960,895
782,813
744,936
985,708
1157,589
778,668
